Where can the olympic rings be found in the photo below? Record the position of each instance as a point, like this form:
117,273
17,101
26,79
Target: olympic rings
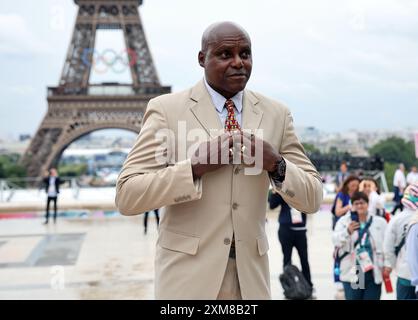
109,59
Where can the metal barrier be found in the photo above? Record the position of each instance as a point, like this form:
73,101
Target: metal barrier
8,187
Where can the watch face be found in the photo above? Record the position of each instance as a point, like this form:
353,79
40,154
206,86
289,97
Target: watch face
281,167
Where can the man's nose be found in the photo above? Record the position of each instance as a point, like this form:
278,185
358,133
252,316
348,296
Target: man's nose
237,62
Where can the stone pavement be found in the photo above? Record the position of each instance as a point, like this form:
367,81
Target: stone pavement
111,258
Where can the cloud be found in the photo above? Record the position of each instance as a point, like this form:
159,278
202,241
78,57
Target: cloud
20,42
23,90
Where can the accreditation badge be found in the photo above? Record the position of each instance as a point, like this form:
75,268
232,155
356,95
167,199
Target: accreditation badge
365,262
296,216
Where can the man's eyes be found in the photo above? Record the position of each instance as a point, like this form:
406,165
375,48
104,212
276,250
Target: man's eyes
245,54
227,54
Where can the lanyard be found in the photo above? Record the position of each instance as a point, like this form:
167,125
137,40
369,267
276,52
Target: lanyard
363,234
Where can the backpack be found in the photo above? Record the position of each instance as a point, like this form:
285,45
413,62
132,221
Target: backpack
294,284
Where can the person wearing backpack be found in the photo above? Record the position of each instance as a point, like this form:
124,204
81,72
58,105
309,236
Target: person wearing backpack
394,245
359,237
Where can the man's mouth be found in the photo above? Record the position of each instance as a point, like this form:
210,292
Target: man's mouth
237,75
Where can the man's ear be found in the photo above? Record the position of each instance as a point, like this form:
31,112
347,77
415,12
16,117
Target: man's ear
201,58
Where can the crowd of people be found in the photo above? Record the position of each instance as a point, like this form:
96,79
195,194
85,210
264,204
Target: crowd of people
369,242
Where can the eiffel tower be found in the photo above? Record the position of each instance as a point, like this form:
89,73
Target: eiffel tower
76,107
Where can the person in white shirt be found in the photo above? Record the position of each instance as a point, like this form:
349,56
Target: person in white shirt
394,245
412,251
399,185
412,177
376,201
51,184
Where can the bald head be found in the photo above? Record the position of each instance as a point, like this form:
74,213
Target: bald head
226,57
222,30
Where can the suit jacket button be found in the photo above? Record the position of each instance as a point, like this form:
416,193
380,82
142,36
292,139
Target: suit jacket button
227,241
235,206
237,170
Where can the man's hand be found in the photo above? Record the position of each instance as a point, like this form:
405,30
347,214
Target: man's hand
212,155
353,227
269,155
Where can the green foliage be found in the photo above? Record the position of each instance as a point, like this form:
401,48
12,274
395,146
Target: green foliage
396,150
390,169
9,167
72,170
310,148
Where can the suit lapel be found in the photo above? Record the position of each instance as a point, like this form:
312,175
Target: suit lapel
205,112
203,109
251,114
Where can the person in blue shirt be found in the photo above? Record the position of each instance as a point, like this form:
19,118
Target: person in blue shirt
342,203
292,234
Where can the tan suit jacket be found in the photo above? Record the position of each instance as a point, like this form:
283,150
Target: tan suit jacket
200,217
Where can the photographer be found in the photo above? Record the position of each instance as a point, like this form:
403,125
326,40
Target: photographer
359,238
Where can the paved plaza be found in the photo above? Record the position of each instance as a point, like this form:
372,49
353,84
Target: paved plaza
112,258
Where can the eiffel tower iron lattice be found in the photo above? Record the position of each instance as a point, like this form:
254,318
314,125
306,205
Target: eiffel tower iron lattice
75,107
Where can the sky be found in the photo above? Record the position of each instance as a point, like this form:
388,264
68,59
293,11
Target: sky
338,65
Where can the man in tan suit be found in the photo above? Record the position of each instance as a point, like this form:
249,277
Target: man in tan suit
212,242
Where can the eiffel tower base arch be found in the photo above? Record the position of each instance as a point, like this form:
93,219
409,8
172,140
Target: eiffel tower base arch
76,107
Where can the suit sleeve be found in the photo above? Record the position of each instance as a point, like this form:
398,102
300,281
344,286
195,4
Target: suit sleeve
146,181
302,186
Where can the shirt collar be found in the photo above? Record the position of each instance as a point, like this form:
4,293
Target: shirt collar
219,100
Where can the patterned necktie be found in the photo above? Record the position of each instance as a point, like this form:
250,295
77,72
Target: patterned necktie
231,123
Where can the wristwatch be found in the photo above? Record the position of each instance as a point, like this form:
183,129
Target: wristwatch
279,173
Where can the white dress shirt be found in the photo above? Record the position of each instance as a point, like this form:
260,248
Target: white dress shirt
219,103
52,191
399,179
376,201
412,178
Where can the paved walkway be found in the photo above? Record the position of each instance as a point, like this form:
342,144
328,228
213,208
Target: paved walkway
111,258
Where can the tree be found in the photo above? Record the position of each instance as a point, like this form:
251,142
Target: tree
310,148
395,150
9,167
72,170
